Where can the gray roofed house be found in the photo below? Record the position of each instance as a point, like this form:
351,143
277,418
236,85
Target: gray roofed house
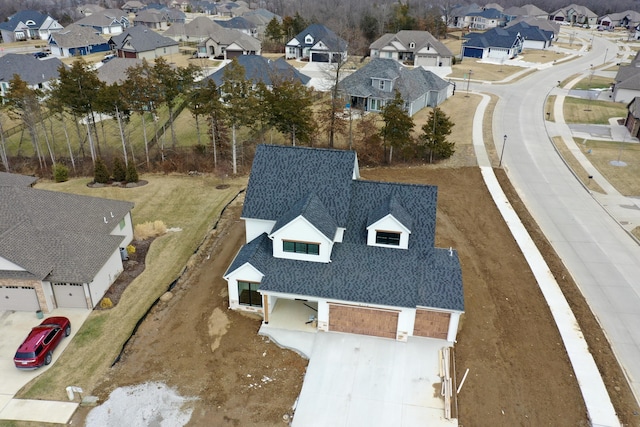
225,43
261,18
375,84
28,24
141,42
241,24
156,19
56,249
132,6
627,81
543,24
410,47
575,14
108,21
486,19
115,71
198,30
38,73
628,19
358,255
526,11
317,43
77,40
260,69
533,37
497,43
460,17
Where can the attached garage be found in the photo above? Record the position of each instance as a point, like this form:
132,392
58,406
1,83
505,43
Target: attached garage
69,295
432,324
319,57
363,320
18,298
473,52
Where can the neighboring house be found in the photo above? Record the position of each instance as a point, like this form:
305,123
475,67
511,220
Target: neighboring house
143,43
28,24
632,121
497,43
533,37
627,81
627,19
133,6
197,30
460,17
317,43
261,18
241,24
358,256
526,11
485,19
371,87
156,19
58,250
108,21
227,44
575,15
183,5
204,6
418,48
89,9
260,69
37,73
76,40
115,71
543,24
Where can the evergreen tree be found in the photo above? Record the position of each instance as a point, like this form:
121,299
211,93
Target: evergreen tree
398,125
100,172
433,139
273,31
290,110
132,173
119,170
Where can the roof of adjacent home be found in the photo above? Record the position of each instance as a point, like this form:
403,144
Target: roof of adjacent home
199,27
24,16
418,276
260,69
115,71
530,32
237,23
56,236
104,18
412,83
29,68
142,39
77,36
320,33
495,37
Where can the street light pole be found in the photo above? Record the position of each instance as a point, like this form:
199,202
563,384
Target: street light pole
504,143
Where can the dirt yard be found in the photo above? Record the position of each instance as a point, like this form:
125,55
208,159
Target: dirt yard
519,374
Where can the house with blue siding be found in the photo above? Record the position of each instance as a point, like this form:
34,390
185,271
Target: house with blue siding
326,248
497,43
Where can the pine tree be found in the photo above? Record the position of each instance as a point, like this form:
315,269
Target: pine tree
398,125
119,170
433,139
132,173
100,172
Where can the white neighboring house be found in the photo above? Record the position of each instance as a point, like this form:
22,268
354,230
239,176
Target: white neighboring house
56,249
28,24
37,73
418,48
358,256
317,43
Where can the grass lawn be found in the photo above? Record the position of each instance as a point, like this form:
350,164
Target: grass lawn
541,56
594,82
100,339
482,71
578,110
623,178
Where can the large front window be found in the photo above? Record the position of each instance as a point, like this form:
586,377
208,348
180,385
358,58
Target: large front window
248,294
301,247
388,238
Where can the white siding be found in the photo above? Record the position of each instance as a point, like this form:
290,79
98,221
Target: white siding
454,320
126,231
246,273
388,223
105,277
300,230
255,227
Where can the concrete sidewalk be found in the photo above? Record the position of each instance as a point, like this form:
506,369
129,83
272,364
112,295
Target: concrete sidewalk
599,406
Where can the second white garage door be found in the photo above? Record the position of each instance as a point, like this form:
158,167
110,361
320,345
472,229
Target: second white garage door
69,295
18,298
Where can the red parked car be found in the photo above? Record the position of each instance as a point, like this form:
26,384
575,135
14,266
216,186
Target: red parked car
37,348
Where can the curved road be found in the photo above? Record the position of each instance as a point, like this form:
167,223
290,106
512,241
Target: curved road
602,258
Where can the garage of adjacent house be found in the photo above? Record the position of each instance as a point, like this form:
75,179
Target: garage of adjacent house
69,295
21,298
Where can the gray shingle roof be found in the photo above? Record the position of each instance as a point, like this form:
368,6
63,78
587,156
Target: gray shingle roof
420,276
495,37
115,71
23,17
260,69
237,23
391,206
406,37
199,27
142,39
16,180
56,236
31,70
104,18
529,32
412,83
283,175
77,36
311,208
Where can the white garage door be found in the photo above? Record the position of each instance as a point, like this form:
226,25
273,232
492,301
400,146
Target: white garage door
18,298
69,295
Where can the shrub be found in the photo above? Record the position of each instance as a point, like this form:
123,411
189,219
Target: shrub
132,173
100,172
119,171
60,173
149,229
106,303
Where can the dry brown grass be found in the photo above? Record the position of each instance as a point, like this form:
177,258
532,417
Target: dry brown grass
578,110
149,229
483,71
541,56
549,108
575,165
623,178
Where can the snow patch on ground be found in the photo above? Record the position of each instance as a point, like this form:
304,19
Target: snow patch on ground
142,405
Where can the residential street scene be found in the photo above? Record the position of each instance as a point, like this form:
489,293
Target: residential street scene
230,215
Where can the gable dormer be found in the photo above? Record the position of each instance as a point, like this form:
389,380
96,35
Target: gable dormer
389,225
308,39
306,232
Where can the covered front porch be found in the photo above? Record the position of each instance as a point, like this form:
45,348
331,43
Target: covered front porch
292,324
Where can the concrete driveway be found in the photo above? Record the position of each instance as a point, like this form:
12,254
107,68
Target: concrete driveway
14,327
369,381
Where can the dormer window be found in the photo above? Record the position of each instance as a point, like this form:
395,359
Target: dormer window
381,86
308,39
390,238
301,247
412,45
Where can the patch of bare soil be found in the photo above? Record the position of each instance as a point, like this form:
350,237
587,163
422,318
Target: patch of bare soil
519,373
